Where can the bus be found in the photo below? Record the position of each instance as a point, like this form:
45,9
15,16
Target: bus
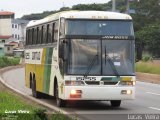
81,55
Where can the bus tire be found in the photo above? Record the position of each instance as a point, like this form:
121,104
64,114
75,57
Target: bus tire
35,93
115,103
59,102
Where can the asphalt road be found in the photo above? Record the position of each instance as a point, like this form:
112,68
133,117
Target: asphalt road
147,101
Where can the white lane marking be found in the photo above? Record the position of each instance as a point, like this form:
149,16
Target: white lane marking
154,108
152,93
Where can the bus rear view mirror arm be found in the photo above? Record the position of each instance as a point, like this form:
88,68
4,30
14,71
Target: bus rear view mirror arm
63,50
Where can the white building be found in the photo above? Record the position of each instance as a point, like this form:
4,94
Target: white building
18,29
11,30
5,28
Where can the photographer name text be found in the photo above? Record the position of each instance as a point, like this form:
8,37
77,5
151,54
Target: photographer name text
16,111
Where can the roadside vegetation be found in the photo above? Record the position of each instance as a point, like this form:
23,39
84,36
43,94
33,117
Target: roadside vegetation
25,110
11,105
9,61
148,67
14,107
11,102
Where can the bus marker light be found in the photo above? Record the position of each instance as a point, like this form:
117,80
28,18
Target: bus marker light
126,78
129,83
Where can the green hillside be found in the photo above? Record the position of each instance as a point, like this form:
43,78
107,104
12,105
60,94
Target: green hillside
146,22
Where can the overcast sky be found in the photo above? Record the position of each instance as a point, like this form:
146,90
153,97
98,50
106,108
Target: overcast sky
23,7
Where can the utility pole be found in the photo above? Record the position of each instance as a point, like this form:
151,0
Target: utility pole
63,5
114,5
127,7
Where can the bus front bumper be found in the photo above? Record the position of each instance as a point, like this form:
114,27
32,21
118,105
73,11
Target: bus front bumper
98,93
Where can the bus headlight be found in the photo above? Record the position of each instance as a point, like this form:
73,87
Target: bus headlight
130,83
73,83
75,93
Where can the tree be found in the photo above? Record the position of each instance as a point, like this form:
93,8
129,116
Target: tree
147,12
100,7
150,36
64,9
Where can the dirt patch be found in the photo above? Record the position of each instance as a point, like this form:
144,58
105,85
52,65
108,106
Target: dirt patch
156,62
146,77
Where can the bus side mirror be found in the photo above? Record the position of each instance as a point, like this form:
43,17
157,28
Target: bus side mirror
62,28
63,54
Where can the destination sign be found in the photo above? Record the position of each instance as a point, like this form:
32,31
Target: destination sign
117,37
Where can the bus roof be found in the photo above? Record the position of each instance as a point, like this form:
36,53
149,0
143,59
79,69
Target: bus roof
81,15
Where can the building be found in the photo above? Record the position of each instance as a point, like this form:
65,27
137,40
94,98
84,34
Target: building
11,30
18,29
14,48
5,28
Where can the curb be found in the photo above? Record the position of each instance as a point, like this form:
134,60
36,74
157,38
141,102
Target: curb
147,77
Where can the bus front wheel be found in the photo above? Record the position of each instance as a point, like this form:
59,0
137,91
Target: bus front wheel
115,103
59,102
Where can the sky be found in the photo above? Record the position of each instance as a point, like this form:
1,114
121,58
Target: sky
24,7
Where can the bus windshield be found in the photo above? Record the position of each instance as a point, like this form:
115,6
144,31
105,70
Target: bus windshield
99,27
96,57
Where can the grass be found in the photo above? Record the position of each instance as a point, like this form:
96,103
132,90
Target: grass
20,109
9,102
8,61
148,67
12,102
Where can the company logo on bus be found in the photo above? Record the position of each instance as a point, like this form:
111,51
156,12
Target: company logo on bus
86,78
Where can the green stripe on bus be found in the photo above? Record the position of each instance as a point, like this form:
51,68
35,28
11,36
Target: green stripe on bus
47,69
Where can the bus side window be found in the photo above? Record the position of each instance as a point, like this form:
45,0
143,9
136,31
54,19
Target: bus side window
40,29
32,42
44,34
53,28
27,42
27,32
41,38
30,37
56,31
37,34
49,33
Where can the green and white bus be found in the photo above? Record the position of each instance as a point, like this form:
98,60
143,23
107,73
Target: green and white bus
81,55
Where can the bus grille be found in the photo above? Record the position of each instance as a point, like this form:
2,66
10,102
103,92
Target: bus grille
92,82
98,83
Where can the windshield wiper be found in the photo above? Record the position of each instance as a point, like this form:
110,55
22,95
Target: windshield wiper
91,65
111,63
